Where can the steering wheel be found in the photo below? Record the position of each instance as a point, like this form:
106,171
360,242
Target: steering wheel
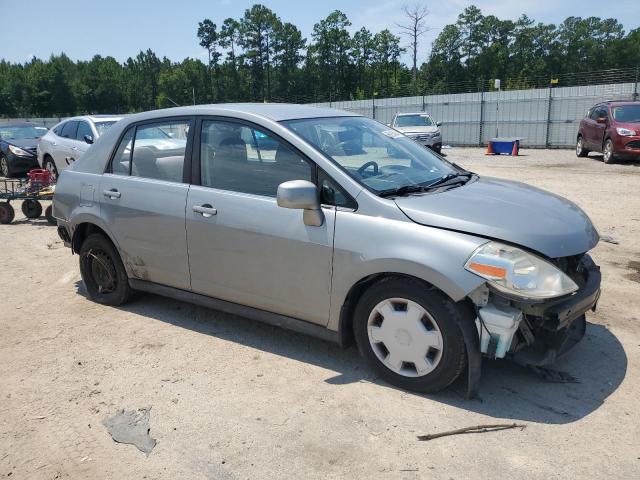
370,163
391,169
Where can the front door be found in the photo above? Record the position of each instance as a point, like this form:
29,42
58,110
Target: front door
143,199
65,145
245,249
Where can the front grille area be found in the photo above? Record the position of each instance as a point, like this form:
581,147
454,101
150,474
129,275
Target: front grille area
633,144
422,137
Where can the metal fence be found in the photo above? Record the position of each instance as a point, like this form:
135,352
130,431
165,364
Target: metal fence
541,117
45,122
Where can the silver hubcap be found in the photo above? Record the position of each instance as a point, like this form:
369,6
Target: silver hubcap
579,146
405,337
52,170
607,150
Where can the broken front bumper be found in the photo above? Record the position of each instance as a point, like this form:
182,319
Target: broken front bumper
551,329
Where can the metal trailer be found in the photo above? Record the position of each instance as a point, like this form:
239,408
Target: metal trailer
31,193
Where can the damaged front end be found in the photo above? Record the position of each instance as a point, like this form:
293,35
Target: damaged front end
536,331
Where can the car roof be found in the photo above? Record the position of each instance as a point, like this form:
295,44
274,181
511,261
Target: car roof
97,118
411,113
614,103
273,111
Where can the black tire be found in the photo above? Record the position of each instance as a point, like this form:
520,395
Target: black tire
5,166
31,208
102,271
580,150
607,152
48,213
49,165
7,213
444,312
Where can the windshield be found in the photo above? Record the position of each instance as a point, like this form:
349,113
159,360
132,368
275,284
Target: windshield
21,132
627,113
101,127
414,121
375,155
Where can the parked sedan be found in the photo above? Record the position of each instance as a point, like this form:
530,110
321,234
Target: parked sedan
69,139
420,127
612,128
18,142
347,230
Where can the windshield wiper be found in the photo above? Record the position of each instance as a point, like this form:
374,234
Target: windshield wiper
448,179
405,190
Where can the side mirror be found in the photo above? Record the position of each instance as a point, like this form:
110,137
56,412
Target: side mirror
301,195
88,139
438,124
602,120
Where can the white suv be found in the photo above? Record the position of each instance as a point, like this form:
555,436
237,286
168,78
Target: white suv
69,139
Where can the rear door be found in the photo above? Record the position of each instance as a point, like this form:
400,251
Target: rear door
143,198
243,248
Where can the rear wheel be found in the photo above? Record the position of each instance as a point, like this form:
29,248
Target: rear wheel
103,272
5,168
409,334
48,213
31,208
580,150
607,151
49,165
7,213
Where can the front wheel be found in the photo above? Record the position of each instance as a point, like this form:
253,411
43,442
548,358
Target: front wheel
580,150
102,271
607,151
408,332
5,168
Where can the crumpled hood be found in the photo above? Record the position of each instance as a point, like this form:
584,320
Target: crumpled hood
425,129
510,211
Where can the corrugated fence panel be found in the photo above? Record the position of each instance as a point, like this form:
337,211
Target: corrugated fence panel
539,117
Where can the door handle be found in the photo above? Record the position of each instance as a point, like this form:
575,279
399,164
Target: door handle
205,210
74,148
113,193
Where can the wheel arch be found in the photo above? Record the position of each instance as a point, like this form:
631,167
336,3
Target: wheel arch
345,322
82,231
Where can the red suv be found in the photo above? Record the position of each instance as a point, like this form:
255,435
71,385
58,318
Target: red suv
612,128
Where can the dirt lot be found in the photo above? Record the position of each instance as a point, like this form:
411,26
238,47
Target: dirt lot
236,399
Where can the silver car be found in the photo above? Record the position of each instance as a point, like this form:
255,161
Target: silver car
420,127
66,141
334,225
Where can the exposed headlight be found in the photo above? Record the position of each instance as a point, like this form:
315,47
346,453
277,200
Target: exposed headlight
516,272
437,134
20,152
625,132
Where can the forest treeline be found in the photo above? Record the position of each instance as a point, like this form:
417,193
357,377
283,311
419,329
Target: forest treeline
263,57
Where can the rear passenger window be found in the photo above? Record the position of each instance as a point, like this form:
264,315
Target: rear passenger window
242,159
69,130
159,149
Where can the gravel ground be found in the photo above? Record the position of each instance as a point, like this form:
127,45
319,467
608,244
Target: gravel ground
234,399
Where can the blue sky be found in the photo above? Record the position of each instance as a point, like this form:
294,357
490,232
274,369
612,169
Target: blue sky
121,28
